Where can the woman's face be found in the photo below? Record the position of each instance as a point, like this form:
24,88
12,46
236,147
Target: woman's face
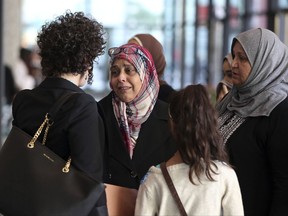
125,81
241,67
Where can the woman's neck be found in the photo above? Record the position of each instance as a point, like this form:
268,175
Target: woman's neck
75,79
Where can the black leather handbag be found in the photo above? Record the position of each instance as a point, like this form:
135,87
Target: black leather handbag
36,181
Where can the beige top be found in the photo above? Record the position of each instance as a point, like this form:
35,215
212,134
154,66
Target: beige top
221,197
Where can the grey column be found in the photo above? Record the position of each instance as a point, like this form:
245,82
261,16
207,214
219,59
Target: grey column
10,39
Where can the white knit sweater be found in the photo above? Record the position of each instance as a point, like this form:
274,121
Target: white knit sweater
221,197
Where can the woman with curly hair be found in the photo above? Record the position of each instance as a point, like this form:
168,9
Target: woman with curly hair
206,184
68,48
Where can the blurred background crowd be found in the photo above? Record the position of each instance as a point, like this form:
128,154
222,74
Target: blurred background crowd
195,34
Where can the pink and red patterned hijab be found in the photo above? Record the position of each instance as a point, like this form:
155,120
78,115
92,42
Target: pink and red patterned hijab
132,115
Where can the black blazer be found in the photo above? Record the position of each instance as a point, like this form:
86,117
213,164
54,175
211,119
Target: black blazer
154,145
165,92
78,129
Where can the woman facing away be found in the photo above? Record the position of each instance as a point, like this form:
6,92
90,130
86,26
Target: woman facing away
138,135
204,181
253,120
68,47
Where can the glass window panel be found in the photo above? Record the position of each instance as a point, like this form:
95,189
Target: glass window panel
281,26
203,11
189,54
219,8
168,13
168,50
283,4
203,2
190,11
201,55
189,41
238,7
179,12
220,3
215,64
177,56
258,21
257,6
235,23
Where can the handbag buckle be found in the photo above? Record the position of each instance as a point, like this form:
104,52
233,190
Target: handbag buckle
65,169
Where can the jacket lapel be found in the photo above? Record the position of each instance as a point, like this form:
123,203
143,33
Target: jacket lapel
146,141
116,147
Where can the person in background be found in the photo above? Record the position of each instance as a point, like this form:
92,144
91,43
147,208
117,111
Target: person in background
136,121
156,50
22,76
68,47
35,67
253,121
10,86
204,181
225,85
10,91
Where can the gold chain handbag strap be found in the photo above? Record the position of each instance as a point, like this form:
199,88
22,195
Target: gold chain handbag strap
48,121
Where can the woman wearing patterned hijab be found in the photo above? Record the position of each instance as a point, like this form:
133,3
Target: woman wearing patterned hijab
136,121
253,120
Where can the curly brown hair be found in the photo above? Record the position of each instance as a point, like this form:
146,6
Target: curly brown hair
194,126
70,44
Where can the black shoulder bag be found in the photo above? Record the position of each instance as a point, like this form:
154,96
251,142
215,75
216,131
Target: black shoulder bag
36,181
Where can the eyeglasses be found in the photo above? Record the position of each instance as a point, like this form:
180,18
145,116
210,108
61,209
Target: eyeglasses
127,50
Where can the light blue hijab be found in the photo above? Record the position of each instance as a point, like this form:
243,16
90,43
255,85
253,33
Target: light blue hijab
267,84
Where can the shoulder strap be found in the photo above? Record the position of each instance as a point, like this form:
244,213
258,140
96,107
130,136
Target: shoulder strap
172,188
55,108
49,119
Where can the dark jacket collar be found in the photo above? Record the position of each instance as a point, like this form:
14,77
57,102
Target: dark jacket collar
59,83
117,150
